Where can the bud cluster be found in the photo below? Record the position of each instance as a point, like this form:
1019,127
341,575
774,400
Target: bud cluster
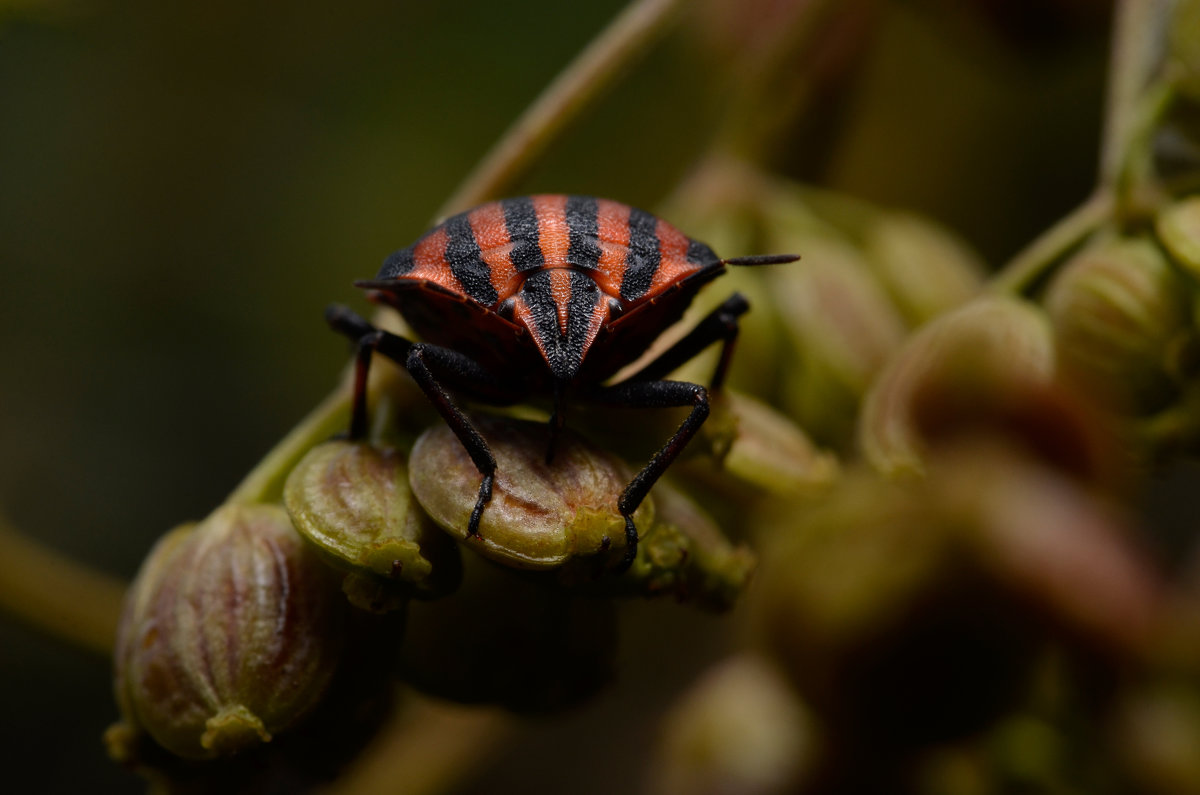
922,481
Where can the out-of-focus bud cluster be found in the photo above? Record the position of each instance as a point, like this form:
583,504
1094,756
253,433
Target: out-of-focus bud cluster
823,327
966,599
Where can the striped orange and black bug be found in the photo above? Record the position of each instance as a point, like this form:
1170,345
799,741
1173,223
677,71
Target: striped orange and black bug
549,295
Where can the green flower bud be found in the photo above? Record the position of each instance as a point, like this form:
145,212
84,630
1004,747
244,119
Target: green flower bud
765,450
1119,310
231,633
741,728
925,269
540,516
353,502
978,350
843,327
1178,227
685,555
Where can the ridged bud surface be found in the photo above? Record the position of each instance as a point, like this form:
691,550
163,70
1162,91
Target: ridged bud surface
540,516
1118,308
231,633
353,501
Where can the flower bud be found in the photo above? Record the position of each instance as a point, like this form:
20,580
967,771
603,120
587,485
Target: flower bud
741,728
1119,309
843,327
1178,227
925,269
760,450
541,516
980,349
353,502
685,555
231,633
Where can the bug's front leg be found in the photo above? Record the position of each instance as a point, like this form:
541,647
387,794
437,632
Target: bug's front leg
654,394
424,363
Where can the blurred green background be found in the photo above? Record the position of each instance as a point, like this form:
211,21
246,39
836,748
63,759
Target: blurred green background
183,188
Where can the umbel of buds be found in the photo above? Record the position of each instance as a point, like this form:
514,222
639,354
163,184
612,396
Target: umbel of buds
231,634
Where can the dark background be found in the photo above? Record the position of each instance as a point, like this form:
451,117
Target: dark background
183,188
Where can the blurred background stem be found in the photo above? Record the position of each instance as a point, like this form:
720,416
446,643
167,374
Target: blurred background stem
1136,101
64,599
578,85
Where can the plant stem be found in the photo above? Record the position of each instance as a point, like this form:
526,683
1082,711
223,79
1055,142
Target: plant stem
265,482
1029,266
1139,35
65,599
579,84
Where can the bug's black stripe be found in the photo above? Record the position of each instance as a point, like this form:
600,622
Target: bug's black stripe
564,352
584,225
463,257
522,223
700,254
643,258
398,264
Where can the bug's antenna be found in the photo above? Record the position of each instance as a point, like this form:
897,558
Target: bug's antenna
762,259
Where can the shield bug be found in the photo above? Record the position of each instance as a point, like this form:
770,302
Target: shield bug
548,295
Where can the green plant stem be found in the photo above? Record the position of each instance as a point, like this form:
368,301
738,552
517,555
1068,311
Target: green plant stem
1034,262
1137,53
578,85
1135,105
265,482
65,599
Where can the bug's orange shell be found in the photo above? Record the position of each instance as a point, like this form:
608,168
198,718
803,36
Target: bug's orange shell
556,272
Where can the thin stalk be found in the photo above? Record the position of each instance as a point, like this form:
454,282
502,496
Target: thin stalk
576,87
1029,266
1139,36
67,600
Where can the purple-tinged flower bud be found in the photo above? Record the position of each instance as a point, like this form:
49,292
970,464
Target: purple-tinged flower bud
231,633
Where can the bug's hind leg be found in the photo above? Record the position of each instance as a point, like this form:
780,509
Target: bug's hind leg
424,363
654,394
719,325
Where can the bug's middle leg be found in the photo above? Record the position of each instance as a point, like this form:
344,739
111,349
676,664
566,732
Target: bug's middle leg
428,365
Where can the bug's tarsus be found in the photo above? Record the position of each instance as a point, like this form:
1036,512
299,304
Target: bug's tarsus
654,394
